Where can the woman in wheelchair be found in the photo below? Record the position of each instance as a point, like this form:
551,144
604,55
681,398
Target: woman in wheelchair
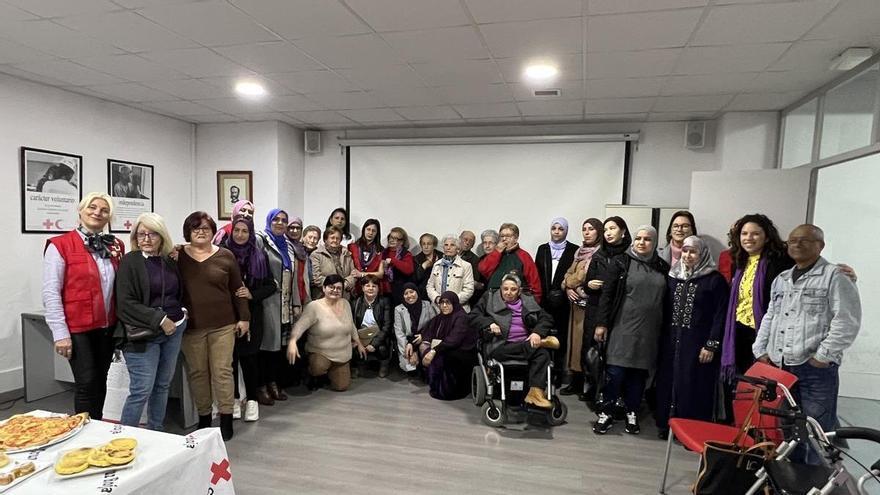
447,348
514,326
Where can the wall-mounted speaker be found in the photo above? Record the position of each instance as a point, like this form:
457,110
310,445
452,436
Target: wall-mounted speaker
313,142
695,135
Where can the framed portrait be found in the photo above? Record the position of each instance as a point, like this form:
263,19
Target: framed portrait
51,189
233,186
131,186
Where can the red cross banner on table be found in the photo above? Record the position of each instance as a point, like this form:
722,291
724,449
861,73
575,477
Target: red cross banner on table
164,464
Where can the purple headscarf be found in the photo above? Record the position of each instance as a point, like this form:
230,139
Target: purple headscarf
251,261
557,248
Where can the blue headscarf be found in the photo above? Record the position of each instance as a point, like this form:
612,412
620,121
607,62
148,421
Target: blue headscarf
280,241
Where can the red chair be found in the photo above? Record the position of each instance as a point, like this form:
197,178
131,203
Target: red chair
693,433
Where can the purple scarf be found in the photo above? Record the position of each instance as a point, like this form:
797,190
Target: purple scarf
392,253
728,347
557,248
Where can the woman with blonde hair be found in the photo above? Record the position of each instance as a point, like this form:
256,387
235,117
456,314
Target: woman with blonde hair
152,319
79,269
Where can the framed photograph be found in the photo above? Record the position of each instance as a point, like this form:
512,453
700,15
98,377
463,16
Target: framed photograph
233,186
51,189
131,187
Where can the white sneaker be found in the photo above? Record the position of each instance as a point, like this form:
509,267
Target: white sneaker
251,411
236,409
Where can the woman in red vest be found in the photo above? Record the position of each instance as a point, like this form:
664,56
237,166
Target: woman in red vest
79,269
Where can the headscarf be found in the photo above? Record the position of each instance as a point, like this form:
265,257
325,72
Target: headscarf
280,241
586,252
226,230
614,249
557,248
414,309
299,250
251,261
241,203
644,257
441,325
705,264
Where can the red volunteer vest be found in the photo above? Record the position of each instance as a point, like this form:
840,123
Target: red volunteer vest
81,293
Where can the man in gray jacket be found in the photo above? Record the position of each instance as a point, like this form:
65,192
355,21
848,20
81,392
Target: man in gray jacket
814,315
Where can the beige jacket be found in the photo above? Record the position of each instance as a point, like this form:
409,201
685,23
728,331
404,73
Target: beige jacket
460,280
323,265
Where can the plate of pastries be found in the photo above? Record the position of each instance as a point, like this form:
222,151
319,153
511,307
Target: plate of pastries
15,471
116,454
38,429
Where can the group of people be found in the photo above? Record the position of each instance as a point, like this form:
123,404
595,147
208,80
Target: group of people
278,304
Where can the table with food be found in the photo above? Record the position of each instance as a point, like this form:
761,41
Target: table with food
47,453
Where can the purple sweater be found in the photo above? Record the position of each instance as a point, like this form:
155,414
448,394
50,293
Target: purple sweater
518,332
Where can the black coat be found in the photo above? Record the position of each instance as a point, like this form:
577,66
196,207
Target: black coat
554,297
614,273
260,290
132,288
421,275
381,312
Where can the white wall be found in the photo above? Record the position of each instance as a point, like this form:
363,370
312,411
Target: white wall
291,174
747,140
42,117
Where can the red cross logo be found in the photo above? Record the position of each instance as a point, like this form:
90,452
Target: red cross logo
47,224
220,471
127,224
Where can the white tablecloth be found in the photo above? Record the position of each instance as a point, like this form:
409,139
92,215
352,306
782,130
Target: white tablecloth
165,464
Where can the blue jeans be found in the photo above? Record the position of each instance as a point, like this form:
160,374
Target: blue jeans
816,394
626,382
150,373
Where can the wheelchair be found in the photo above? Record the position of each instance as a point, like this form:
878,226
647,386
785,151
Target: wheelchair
499,388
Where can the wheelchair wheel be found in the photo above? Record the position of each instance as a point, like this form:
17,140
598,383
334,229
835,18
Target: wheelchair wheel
478,386
556,416
494,416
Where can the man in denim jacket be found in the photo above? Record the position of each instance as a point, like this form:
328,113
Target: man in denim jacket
814,315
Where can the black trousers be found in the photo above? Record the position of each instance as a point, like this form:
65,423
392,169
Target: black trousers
90,362
250,369
273,365
744,337
538,357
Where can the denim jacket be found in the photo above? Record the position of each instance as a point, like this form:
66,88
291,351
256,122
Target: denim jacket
818,316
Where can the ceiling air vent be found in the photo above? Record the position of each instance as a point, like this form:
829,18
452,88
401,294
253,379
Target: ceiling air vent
547,92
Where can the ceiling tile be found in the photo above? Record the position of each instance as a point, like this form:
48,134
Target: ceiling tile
8,13
569,90
346,100
761,23
131,67
763,101
611,88
476,72
691,103
210,23
680,116
408,97
551,107
487,110
267,116
403,15
63,8
643,31
617,117
542,38
179,107
131,92
423,113
312,81
437,44
372,115
811,55
68,72
512,119
708,84
624,6
31,76
619,105
236,106
475,93
852,19
790,80
486,11
350,51
570,67
552,119
55,39
133,4
226,85
214,118
197,62
320,117
644,63
722,59
277,56
379,77
127,30
11,53
304,18
189,89
293,103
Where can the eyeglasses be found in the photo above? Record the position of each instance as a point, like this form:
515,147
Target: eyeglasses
294,227
147,235
801,240
394,238
684,226
334,288
201,229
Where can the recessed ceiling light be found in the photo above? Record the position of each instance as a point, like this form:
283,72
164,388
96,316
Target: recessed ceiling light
250,89
541,72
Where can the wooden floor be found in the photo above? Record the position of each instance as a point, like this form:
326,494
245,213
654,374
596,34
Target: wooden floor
387,436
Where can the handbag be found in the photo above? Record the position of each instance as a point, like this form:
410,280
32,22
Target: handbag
729,468
137,333
366,334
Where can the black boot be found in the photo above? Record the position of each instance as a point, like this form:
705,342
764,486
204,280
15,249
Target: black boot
226,427
205,421
575,386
